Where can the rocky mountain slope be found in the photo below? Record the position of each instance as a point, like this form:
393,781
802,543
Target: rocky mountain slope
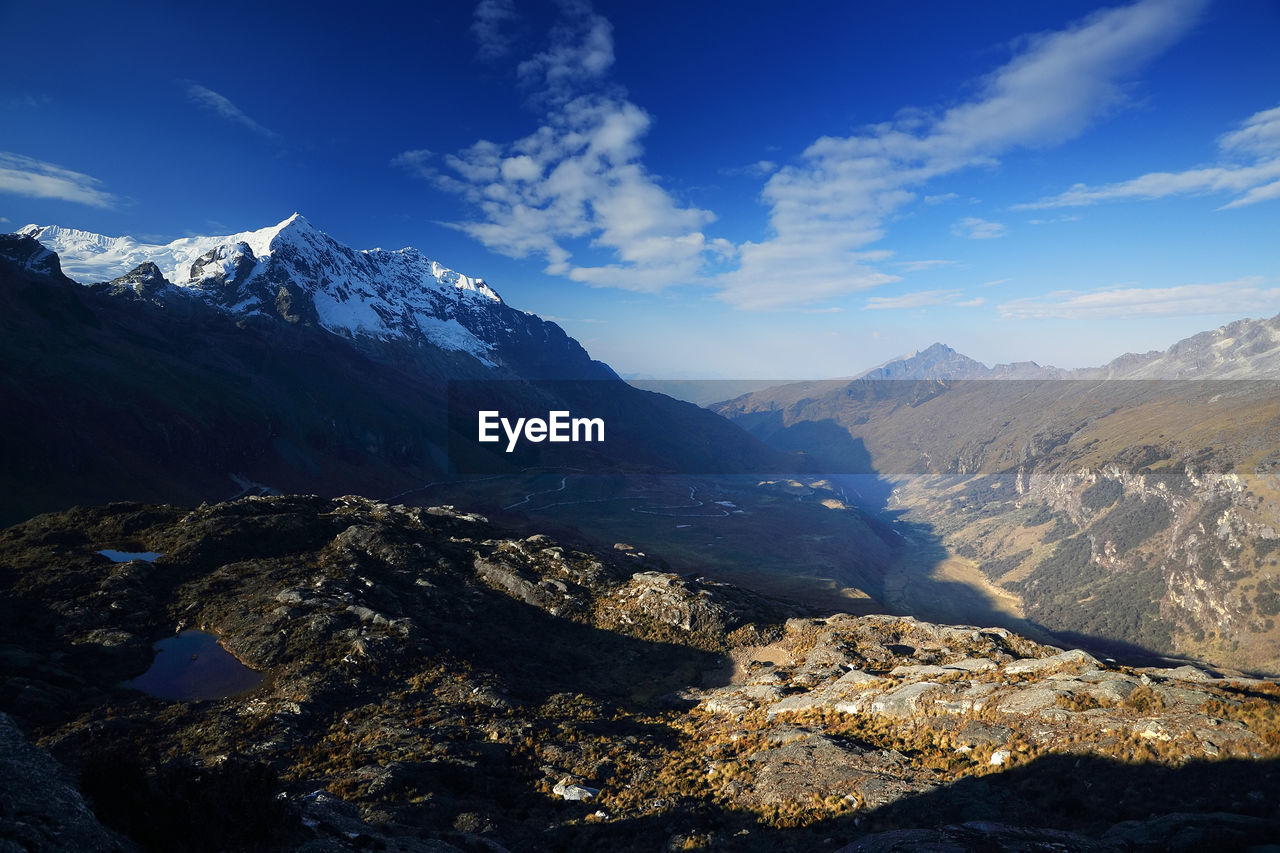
1131,515
434,683
283,360
1245,349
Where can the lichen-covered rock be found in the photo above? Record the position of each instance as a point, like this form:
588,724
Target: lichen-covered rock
440,678
818,766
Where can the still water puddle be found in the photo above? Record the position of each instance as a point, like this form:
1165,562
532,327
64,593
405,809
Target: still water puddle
192,667
127,556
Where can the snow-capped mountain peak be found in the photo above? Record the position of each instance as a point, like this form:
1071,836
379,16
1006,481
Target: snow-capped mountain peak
296,272
88,257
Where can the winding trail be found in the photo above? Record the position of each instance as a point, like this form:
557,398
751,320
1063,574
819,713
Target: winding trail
563,484
443,482
660,510
693,490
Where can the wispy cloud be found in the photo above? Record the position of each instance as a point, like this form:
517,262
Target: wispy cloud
840,197
416,162
579,53
919,299
490,24
28,101
579,176
758,169
973,228
33,178
1256,140
223,107
1240,297
919,266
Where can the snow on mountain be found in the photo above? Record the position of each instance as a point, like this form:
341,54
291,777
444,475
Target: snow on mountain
297,272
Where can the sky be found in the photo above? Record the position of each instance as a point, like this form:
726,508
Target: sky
698,189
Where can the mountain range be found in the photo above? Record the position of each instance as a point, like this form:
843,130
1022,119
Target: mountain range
298,274
435,678
1245,349
282,360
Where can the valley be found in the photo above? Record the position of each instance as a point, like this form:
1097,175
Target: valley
1134,517
554,427
815,611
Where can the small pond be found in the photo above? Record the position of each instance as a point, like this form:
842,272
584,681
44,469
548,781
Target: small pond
191,667
126,556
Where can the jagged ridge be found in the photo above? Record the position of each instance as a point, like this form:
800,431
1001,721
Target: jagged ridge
295,272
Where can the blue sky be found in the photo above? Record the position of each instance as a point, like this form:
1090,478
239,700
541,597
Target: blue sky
747,189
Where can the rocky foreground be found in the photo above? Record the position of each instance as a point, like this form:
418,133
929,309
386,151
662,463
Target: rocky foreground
434,683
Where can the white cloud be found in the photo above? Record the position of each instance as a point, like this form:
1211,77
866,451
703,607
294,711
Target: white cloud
1266,192
577,177
1240,297
580,52
1258,134
838,199
1257,138
33,178
974,228
919,299
489,24
940,199
918,266
580,175
415,162
221,105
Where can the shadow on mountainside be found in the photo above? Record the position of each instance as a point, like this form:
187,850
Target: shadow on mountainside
916,574
916,577
1058,802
